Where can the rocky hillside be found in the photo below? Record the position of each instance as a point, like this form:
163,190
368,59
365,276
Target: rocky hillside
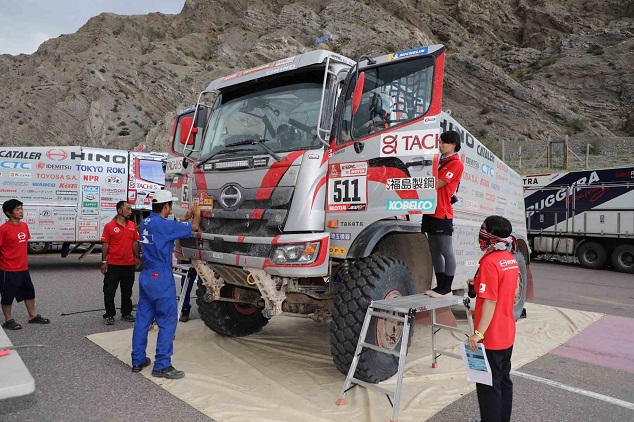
518,70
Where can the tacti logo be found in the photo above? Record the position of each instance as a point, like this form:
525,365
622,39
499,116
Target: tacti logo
56,154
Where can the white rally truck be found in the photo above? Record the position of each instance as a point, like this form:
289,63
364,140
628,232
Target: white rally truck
70,193
588,214
313,173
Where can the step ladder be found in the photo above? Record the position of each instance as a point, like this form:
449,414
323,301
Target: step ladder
181,273
402,309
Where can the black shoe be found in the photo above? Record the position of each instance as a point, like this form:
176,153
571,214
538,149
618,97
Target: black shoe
128,318
109,320
523,315
170,373
138,368
184,316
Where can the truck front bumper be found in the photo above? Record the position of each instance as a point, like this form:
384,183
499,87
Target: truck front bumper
256,252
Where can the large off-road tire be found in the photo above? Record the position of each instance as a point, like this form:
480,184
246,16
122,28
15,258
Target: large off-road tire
623,258
228,318
520,292
592,255
362,281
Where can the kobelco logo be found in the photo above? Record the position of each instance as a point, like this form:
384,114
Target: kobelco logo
230,197
56,154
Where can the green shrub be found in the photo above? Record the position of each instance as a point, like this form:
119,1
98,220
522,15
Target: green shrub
124,132
595,49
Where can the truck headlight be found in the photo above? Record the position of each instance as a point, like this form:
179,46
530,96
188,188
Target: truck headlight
296,253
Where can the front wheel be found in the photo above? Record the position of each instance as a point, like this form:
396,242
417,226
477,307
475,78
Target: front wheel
592,255
38,247
229,318
363,280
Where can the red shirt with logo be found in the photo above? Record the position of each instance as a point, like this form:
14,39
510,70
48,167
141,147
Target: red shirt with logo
13,246
451,172
120,239
497,280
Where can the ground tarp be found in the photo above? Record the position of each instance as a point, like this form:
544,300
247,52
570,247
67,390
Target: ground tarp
285,372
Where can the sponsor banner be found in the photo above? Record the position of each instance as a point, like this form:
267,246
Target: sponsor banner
340,236
411,183
425,205
409,143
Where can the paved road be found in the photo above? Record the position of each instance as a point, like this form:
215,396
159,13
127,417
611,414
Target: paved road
76,380
569,286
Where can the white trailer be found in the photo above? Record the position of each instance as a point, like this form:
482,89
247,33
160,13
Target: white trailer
588,214
70,193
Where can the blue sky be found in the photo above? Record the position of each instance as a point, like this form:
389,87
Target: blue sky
25,24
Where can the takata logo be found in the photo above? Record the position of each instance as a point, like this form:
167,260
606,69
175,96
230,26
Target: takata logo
56,154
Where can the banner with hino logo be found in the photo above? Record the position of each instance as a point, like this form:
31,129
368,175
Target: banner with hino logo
46,180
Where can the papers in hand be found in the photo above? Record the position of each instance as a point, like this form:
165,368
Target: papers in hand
476,364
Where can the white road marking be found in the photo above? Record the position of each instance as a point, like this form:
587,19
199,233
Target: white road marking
606,301
607,399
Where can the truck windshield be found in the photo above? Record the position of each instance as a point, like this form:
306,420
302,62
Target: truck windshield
282,113
152,171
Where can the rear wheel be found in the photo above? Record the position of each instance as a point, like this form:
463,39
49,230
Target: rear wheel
38,247
623,258
229,318
592,255
362,281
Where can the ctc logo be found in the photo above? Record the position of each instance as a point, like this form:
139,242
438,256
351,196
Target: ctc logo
488,170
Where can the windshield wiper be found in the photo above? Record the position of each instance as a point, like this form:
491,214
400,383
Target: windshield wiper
259,142
222,151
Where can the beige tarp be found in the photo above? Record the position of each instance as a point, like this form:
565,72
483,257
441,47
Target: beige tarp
285,372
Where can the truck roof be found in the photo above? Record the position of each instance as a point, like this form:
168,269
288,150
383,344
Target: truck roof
278,66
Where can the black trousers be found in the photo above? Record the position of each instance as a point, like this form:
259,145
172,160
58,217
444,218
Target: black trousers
116,274
496,401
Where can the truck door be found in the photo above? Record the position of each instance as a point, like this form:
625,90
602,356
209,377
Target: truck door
184,150
386,140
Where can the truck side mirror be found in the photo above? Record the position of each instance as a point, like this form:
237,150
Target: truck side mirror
358,92
186,124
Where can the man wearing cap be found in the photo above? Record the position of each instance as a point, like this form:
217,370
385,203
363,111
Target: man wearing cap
157,293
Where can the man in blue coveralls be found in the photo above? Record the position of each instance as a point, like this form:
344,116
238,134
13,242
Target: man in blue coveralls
157,292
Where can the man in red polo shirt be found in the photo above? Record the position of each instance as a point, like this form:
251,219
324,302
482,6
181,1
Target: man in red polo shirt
495,285
120,253
15,280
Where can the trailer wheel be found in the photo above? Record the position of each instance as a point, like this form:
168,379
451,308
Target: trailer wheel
623,258
38,247
520,292
362,281
592,255
229,318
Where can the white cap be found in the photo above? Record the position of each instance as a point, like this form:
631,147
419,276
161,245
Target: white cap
163,196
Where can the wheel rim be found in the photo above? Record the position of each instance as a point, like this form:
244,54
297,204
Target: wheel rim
37,246
389,332
626,259
592,256
243,309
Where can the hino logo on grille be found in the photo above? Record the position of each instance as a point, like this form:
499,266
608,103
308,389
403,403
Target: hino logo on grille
230,197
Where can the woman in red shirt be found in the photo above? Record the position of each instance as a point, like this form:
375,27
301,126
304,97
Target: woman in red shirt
439,225
495,284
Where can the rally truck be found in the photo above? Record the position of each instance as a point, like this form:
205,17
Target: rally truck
312,173
587,214
71,192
